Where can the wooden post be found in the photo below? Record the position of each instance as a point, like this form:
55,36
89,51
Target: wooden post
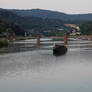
91,37
65,39
38,40
10,39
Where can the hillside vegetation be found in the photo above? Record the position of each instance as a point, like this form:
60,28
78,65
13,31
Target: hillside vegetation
53,15
31,24
44,22
11,28
86,28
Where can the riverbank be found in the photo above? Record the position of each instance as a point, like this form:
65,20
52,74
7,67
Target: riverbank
3,43
23,38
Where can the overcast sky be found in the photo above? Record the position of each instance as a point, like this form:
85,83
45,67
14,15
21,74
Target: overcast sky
67,6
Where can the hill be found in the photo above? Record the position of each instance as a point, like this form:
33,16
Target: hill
32,24
8,21
8,28
53,15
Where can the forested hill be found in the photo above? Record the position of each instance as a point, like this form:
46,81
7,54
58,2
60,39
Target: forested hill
12,29
53,14
8,20
46,26
29,22
34,24
7,15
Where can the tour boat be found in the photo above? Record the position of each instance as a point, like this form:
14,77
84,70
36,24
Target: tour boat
59,50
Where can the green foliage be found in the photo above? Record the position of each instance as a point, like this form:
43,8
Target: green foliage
53,14
3,42
10,28
3,35
86,29
2,26
39,25
47,26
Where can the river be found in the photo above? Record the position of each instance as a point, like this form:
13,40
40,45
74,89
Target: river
24,68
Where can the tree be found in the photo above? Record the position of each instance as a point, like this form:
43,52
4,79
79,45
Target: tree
86,29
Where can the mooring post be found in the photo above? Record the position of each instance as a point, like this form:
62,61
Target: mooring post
38,40
65,39
91,37
10,39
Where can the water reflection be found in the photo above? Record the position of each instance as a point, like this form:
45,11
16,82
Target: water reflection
39,71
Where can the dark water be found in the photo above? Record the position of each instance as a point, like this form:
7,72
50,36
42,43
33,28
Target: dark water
24,68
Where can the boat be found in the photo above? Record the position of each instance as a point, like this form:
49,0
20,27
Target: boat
59,50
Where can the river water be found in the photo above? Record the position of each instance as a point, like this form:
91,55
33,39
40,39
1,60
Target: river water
24,68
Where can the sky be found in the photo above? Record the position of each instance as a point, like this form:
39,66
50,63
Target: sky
66,6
